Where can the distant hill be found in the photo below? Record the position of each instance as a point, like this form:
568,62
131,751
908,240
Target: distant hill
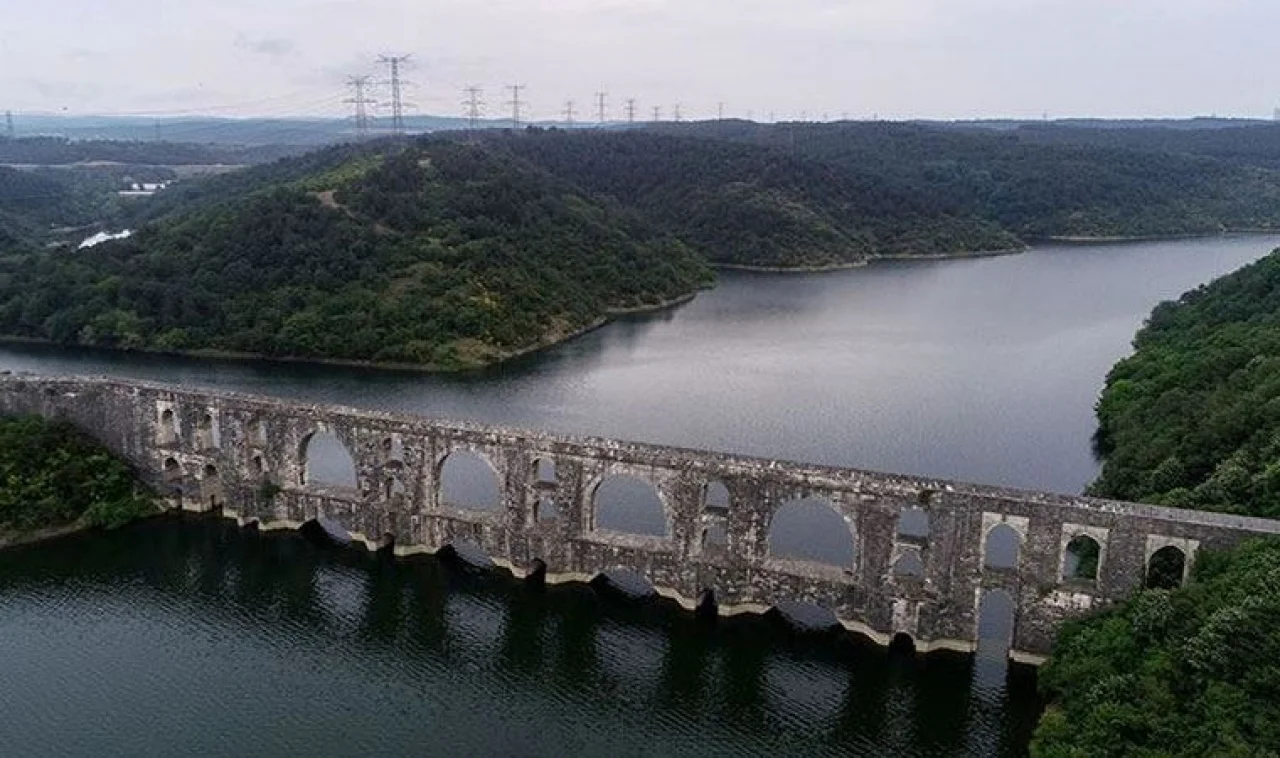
58,151
441,255
751,206
1038,184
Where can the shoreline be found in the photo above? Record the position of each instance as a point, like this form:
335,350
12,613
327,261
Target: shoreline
18,539
1079,239
500,358
869,261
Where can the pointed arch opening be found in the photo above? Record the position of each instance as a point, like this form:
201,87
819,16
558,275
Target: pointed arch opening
630,505
211,486
468,482
913,522
326,462
544,472
1001,547
172,471
395,489
1081,558
811,529
256,432
715,536
545,510
909,565
716,497
393,449
167,428
1166,569
207,432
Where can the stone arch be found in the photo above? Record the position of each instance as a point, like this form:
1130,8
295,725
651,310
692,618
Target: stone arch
902,642
1001,547
167,427
629,504
326,462
545,510
1166,568
997,620
544,470
811,529
256,432
715,496
1081,559
626,581
210,486
909,564
468,481
207,431
393,449
395,489
172,471
913,522
806,615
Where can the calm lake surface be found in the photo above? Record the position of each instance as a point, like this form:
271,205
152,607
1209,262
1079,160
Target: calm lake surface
190,636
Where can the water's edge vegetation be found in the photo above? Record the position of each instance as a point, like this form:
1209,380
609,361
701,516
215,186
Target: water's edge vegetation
1191,420
56,480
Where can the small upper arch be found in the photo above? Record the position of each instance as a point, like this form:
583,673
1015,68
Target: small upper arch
1001,546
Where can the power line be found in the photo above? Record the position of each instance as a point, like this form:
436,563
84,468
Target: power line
475,105
515,103
600,107
631,110
657,114
720,111
568,113
676,113
358,85
394,62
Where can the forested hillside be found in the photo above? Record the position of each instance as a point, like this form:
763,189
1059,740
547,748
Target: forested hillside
442,255
747,205
1189,672
1193,417
1038,188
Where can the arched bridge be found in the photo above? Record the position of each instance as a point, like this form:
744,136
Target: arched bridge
920,561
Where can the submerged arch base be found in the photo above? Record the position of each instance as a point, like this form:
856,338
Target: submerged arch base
689,605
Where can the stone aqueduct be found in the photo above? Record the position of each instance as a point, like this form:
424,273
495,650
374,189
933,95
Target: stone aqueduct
209,449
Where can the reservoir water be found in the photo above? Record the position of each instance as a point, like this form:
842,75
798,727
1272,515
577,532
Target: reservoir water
172,638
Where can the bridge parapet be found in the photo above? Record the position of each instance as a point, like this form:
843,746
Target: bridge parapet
248,455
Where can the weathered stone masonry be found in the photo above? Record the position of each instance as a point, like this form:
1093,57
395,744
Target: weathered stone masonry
217,449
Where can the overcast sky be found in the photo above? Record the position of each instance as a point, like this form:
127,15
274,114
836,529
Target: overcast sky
891,58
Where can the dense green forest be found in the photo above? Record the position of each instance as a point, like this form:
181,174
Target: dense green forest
460,250
748,205
1188,672
1193,417
1037,188
52,475
441,254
